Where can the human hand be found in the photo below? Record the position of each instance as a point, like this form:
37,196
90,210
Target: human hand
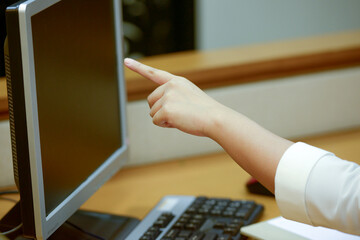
177,102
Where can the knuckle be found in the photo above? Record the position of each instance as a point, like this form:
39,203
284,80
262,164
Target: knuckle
171,84
158,121
182,79
179,80
167,96
152,71
149,99
167,110
155,121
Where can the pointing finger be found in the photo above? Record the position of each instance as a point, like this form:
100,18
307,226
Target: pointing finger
158,76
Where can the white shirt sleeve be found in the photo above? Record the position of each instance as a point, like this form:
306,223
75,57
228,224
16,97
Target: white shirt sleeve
315,187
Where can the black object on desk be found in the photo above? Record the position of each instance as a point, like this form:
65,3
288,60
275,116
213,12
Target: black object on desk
254,186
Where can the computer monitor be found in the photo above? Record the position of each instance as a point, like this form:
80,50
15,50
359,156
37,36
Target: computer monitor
67,105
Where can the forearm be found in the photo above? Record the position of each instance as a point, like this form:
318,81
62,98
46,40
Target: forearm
254,148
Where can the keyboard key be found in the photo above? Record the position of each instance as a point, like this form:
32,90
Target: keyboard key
216,212
172,233
228,213
224,237
146,238
220,225
179,225
219,207
231,231
160,223
237,221
235,225
185,233
186,215
210,236
243,213
204,210
231,209
235,204
191,226
163,220
223,202
198,216
196,222
249,204
191,210
151,233
197,236
210,202
183,219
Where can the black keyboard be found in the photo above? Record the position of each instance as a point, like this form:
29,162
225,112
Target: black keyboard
197,218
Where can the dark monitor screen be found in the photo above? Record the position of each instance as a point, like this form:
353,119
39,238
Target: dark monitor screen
77,93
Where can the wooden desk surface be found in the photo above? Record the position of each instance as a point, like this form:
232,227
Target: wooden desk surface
135,190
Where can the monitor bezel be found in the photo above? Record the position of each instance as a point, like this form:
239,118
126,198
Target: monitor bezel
45,225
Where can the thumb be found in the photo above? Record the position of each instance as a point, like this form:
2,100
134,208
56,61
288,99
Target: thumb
158,76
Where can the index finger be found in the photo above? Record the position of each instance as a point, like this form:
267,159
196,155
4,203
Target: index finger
158,76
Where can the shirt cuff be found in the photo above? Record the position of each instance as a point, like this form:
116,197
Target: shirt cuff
291,179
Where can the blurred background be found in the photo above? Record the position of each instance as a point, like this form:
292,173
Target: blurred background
161,26
153,27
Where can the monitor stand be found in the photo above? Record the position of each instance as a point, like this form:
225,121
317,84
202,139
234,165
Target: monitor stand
82,225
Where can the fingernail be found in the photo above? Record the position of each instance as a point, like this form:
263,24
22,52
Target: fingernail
129,61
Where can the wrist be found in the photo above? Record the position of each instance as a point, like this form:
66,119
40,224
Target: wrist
217,122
